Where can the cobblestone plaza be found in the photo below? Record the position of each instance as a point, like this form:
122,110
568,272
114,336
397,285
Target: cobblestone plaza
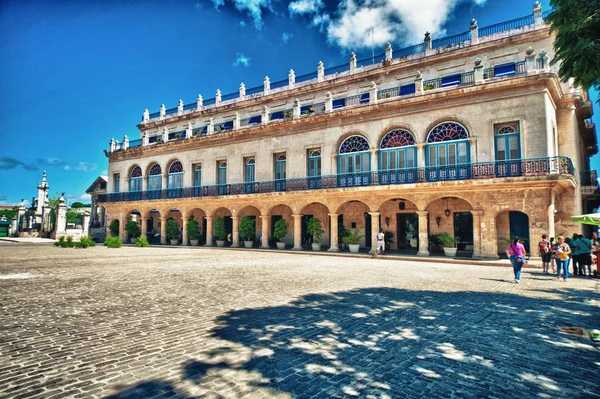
187,323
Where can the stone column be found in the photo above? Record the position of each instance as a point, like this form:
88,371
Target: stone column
264,116
265,231
374,160
477,218
242,91
146,116
163,111
164,180
474,32
199,102
180,107
530,63
184,238
421,154
423,233
163,230
122,232
296,109
333,234
374,230
86,224
125,142
328,102
427,41
388,52
478,71
489,237
419,83
291,79
218,97
320,72
209,231
473,142
188,131
235,233
352,63
266,85
297,233
144,226
537,14
61,217
551,210
236,121
373,93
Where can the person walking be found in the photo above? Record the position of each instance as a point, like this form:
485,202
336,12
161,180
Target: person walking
562,251
574,245
552,256
545,254
516,251
380,242
585,255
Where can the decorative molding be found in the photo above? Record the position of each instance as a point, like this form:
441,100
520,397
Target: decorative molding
443,68
513,52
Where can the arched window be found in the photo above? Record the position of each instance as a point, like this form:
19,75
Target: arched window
175,176
354,162
447,147
397,154
135,179
508,149
155,177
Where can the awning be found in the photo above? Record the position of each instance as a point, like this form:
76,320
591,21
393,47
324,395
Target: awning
592,218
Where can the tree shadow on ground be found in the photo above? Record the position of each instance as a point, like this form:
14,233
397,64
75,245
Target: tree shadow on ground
388,343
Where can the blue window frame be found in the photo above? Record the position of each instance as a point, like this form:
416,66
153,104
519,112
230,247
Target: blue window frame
135,184
198,180
222,177
175,180
117,182
407,89
280,172
508,150
505,69
354,162
249,175
448,152
397,158
451,80
154,181
314,169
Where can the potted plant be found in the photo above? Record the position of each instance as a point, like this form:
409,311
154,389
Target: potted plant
449,243
172,231
435,245
247,231
220,232
352,238
133,231
315,229
193,231
281,229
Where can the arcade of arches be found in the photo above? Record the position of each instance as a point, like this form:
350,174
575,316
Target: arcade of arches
482,220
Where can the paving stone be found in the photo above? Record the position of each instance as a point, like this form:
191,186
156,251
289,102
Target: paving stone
188,322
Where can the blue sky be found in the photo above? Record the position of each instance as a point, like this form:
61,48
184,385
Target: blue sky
75,74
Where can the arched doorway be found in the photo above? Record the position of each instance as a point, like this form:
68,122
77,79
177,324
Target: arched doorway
319,211
285,213
452,215
510,224
400,223
354,215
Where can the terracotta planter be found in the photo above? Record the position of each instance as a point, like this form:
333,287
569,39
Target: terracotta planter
220,243
281,245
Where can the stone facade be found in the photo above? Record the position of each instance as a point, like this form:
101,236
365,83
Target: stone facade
468,185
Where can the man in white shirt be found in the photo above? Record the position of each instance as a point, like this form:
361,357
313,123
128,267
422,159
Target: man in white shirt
380,242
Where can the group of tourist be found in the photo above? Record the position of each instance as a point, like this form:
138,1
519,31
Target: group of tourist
557,254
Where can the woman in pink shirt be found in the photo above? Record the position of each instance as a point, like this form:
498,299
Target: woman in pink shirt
517,254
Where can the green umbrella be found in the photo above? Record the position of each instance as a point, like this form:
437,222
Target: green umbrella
592,218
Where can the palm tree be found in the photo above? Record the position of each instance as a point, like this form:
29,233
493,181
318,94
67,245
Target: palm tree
577,44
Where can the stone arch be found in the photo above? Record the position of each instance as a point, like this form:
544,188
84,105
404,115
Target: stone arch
339,206
132,168
354,215
448,119
453,195
399,215
340,140
510,223
285,212
398,126
318,210
249,210
149,166
198,214
170,163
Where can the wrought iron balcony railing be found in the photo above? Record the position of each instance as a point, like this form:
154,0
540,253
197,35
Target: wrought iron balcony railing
560,166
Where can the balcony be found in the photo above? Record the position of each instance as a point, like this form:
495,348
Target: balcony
533,167
589,183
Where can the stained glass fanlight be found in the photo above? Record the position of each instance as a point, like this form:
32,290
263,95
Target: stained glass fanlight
447,131
397,138
354,144
155,170
176,167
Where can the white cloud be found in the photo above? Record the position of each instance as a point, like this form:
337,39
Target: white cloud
104,173
243,24
241,59
285,37
66,167
399,21
305,6
82,166
253,8
85,197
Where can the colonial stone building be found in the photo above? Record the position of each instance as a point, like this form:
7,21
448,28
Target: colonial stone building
472,134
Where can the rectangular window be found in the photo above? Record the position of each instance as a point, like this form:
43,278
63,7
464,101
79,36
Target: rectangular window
175,180
432,156
314,163
407,89
197,175
462,153
222,172
410,158
249,170
280,161
117,182
452,154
